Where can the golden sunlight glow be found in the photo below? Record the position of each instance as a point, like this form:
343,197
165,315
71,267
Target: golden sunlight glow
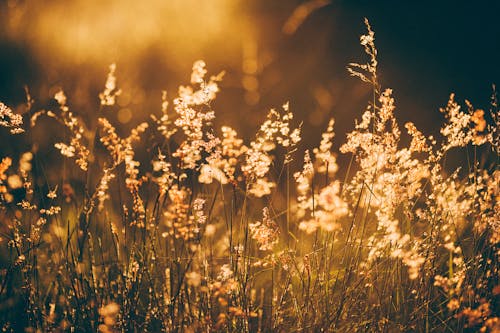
100,32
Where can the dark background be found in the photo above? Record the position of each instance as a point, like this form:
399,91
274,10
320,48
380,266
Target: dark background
427,49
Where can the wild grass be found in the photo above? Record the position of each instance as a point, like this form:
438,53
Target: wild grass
178,226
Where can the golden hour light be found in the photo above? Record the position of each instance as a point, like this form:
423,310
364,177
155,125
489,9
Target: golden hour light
101,31
249,166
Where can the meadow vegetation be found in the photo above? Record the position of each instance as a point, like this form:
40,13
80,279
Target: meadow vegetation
179,226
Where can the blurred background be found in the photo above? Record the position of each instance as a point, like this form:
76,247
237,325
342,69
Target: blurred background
272,51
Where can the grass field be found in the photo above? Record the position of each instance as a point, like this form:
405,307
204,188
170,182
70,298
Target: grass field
179,226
